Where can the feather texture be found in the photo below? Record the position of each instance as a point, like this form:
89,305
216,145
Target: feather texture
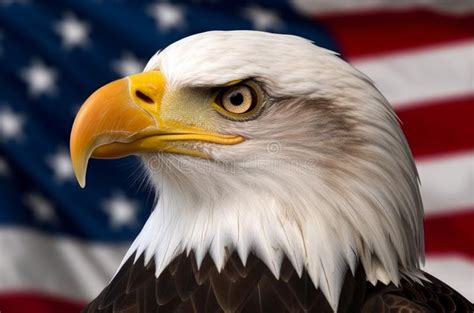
252,288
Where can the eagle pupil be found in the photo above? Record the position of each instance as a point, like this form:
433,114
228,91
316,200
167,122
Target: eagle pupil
236,99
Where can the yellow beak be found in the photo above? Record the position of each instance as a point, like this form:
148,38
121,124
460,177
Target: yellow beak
123,118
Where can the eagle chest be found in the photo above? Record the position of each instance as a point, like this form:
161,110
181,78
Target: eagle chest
182,287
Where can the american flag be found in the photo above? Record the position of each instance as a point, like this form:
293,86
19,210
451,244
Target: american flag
59,244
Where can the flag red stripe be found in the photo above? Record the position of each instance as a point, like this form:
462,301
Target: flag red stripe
443,126
370,33
450,234
32,302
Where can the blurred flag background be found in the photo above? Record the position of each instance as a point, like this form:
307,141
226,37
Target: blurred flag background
59,244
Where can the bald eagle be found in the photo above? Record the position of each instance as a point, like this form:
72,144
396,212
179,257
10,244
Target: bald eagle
285,183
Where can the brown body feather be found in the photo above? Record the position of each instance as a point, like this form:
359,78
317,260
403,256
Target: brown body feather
253,289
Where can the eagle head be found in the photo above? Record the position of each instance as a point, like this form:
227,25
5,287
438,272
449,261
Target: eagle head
265,144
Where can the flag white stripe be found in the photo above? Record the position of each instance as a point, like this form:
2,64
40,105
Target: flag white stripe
447,183
456,271
64,267
422,75
314,7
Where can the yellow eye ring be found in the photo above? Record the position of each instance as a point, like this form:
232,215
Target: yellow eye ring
240,101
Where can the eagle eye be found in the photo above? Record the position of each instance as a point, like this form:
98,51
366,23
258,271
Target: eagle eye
238,101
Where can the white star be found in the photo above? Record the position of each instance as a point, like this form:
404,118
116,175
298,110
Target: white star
167,16
42,208
73,32
61,164
128,64
11,124
263,19
4,169
40,78
122,211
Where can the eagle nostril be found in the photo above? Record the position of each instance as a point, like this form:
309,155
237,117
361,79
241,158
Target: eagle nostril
140,95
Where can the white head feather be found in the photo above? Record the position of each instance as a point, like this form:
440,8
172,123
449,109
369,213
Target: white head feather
324,178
